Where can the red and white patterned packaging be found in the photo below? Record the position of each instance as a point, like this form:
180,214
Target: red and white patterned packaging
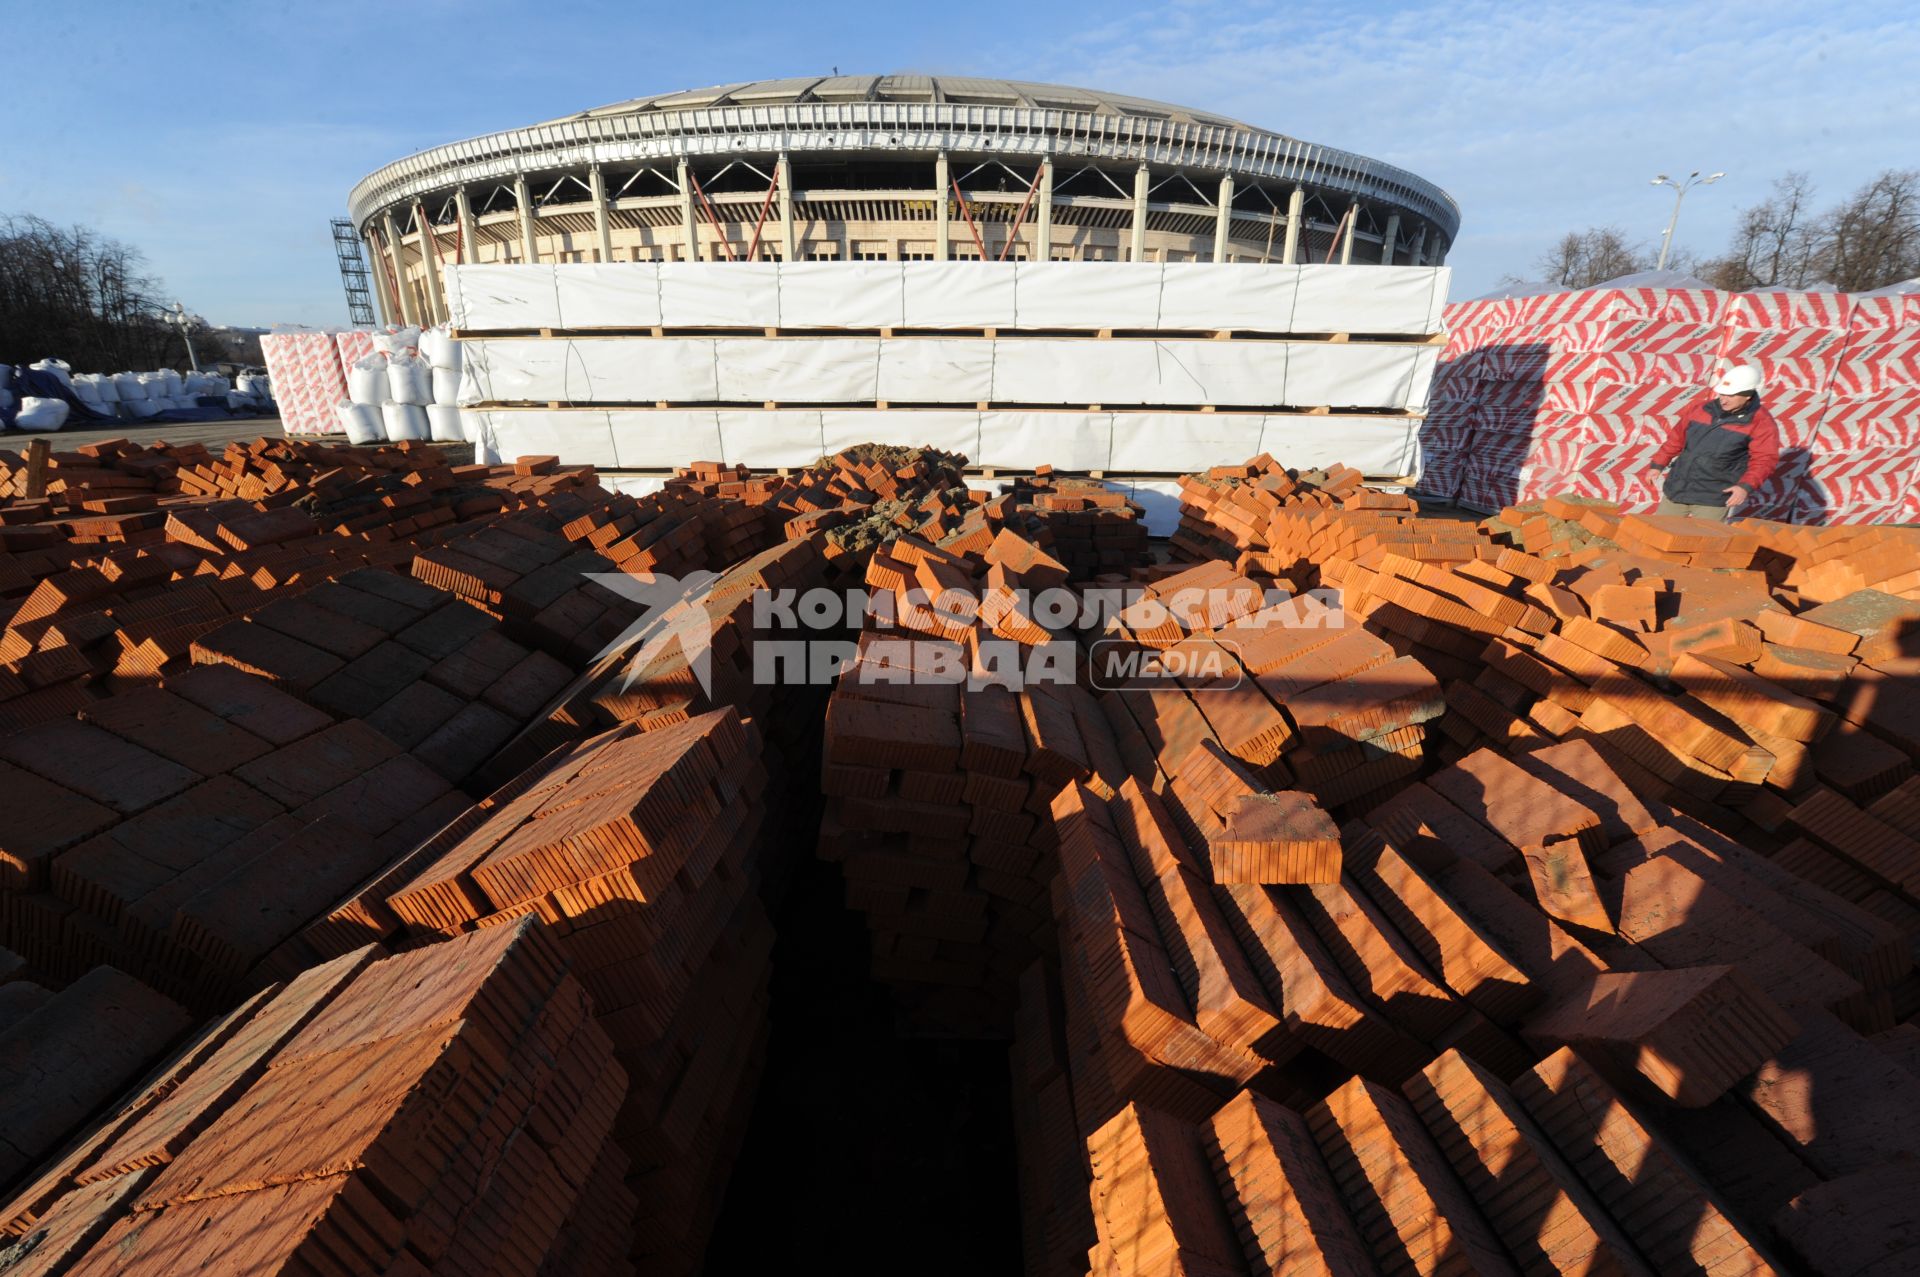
308,384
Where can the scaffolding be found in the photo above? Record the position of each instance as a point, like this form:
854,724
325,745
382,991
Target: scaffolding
353,273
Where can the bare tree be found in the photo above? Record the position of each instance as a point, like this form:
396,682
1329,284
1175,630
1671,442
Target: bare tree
1584,258
80,296
1776,244
1873,237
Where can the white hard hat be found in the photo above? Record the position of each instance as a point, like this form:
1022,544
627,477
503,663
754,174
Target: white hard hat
1738,379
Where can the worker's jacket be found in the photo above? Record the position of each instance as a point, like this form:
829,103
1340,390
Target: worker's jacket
1711,450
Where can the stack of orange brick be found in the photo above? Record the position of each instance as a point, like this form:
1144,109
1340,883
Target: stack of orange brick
66,1052
938,791
1090,528
443,1110
640,852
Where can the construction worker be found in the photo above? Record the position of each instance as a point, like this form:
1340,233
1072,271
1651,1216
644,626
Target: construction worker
1720,451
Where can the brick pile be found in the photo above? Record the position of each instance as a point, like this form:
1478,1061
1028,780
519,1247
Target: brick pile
1088,527
64,1053
640,852
938,792
448,1109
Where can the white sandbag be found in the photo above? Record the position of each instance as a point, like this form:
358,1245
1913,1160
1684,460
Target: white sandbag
443,421
107,388
128,386
254,383
87,387
183,403
367,381
362,423
397,341
446,385
405,421
41,414
409,380
59,368
175,383
237,402
154,384
141,409
194,383
439,348
217,384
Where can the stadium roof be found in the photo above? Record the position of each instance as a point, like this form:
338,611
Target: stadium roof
960,90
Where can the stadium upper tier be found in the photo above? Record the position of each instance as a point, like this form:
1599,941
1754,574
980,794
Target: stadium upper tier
896,167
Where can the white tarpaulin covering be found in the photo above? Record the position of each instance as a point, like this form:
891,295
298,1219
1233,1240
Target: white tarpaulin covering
1384,446
1357,375
789,369
1402,300
934,370
930,370
1405,300
1154,442
980,295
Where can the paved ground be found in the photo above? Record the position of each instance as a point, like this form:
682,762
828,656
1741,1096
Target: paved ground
214,434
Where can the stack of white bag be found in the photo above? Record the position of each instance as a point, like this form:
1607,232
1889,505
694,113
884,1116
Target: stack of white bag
399,394
250,390
443,353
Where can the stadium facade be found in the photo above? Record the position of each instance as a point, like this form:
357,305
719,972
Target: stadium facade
885,168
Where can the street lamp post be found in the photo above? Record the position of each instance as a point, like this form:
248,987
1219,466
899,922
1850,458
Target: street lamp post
179,318
1680,190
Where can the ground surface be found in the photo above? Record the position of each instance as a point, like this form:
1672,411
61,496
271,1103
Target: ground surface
213,434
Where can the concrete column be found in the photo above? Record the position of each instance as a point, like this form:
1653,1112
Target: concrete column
409,313
376,268
523,200
1138,250
430,260
1223,218
469,232
685,178
1043,249
602,215
1353,224
1390,240
942,200
783,172
1296,205
1419,248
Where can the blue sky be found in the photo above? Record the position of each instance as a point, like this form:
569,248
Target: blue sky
220,137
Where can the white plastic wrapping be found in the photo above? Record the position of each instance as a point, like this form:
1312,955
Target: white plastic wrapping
404,421
1388,376
657,439
58,367
841,295
576,436
1385,447
1370,299
932,370
438,348
446,385
1180,442
443,423
409,380
397,340
1186,296
1068,295
1209,296
794,369
975,295
362,423
41,414
719,294
1069,440
1357,375
366,381
950,430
